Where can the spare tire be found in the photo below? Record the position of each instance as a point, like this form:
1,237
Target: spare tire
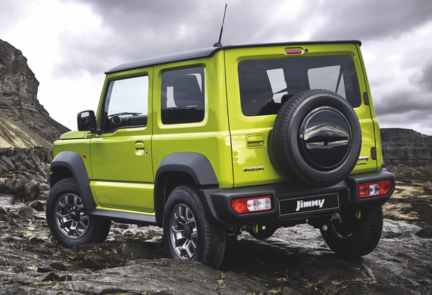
317,138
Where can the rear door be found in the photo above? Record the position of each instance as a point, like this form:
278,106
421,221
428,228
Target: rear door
259,80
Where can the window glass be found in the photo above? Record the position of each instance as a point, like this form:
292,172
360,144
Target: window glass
126,103
330,78
266,84
182,96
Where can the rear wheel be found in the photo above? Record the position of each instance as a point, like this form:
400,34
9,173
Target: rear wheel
188,232
67,220
357,235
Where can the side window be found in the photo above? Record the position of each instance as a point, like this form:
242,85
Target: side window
126,103
182,96
330,78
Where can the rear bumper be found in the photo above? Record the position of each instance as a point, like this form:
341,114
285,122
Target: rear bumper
218,201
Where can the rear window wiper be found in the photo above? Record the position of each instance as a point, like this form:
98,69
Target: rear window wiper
124,113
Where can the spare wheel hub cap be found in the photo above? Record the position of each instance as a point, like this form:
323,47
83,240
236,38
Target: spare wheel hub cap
325,138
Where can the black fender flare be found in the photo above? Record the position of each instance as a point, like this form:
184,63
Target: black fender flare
195,164
73,162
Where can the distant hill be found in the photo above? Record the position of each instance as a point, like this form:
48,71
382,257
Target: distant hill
24,122
406,147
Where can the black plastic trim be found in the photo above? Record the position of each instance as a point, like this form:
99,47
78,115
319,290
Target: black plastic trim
195,164
217,202
365,98
207,52
373,153
356,179
124,217
74,163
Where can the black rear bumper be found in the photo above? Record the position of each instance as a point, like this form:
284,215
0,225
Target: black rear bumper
218,201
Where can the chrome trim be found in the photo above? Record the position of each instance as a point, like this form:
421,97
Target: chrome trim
361,163
363,158
247,169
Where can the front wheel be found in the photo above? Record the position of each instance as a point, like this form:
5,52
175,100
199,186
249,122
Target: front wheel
357,235
67,220
188,232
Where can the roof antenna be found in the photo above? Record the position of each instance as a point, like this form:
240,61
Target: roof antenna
219,44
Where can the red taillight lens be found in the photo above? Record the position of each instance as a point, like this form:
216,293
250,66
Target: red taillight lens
375,189
248,205
293,51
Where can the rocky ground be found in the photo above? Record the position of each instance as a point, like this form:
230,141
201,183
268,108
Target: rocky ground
412,199
132,260
24,172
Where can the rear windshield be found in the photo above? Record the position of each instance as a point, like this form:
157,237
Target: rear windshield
266,84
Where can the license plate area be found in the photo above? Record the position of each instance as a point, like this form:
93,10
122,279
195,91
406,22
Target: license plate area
310,204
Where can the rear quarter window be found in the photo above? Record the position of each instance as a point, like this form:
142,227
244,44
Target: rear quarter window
266,84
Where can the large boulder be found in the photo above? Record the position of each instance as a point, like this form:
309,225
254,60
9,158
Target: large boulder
18,189
31,189
9,185
8,162
38,178
29,165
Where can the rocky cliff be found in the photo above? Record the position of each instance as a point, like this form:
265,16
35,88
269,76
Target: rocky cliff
405,147
24,122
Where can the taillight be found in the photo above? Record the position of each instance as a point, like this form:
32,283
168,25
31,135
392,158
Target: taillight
374,189
293,51
248,205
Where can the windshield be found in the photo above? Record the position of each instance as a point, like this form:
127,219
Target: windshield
266,84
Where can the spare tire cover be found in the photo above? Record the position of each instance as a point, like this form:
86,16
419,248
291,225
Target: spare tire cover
317,138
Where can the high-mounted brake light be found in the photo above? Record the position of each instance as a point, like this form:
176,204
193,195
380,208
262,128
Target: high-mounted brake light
293,51
375,189
248,205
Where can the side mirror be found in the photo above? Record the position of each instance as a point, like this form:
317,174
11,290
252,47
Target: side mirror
86,121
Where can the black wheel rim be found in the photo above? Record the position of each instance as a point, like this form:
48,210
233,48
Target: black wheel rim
70,216
183,232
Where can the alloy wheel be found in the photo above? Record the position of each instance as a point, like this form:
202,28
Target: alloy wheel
70,216
183,232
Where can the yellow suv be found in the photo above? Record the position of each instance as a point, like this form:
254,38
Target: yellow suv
216,141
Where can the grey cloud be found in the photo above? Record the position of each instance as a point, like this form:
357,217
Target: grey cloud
10,12
401,101
369,19
424,78
421,118
140,29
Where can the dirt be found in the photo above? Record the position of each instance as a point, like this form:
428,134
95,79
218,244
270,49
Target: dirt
412,199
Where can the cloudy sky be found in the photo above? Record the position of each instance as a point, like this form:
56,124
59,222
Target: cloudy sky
71,43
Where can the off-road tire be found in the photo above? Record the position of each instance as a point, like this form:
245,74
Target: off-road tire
264,234
211,240
286,141
365,236
98,228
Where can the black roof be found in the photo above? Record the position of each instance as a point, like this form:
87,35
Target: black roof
207,52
